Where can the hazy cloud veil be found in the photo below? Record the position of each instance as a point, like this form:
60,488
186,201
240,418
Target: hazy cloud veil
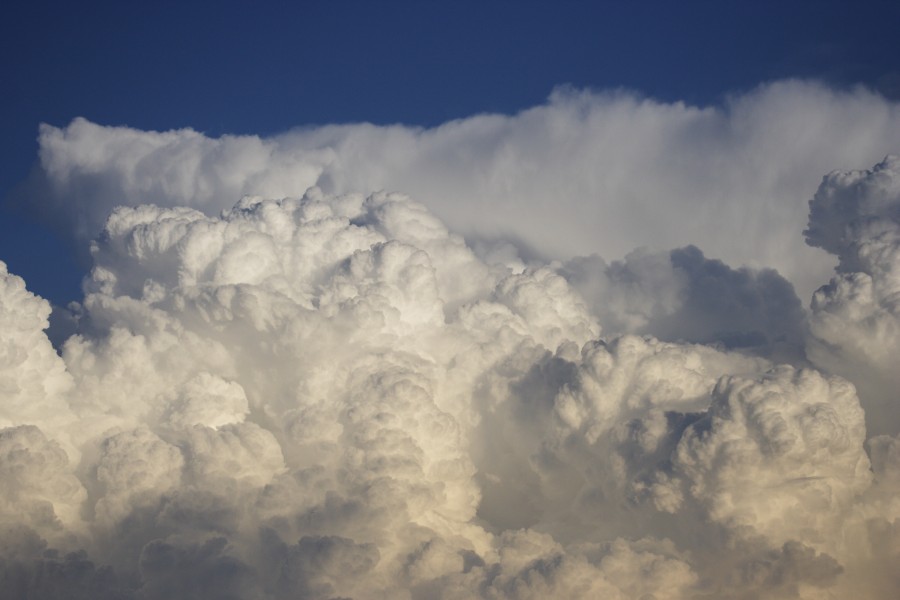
571,363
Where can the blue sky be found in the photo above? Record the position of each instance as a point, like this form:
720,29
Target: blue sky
266,69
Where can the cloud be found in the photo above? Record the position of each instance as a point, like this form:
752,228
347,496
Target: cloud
333,395
681,295
614,171
855,321
33,378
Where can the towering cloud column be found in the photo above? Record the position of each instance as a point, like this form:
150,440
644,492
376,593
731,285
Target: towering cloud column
855,321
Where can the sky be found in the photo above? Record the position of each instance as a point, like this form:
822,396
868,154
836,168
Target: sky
497,300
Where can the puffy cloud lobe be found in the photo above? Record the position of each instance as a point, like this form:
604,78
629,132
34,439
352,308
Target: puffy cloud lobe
577,431
855,332
851,206
335,397
134,469
611,170
855,323
208,400
40,491
33,380
780,456
397,451
650,423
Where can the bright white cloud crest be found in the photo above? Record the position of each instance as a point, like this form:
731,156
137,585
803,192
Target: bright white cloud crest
337,396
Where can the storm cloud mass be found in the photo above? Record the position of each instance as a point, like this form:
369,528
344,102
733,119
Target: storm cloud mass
571,363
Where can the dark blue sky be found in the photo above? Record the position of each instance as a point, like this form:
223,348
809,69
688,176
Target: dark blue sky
233,67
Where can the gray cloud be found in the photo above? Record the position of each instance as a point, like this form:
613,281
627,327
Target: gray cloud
855,323
683,296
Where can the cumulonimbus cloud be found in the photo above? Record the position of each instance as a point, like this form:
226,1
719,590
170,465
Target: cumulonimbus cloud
329,395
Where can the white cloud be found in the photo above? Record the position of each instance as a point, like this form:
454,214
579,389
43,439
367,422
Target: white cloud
585,173
335,396
855,321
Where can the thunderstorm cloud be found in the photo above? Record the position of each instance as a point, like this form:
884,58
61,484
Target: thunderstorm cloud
597,349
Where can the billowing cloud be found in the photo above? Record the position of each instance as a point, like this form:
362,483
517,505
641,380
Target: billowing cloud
333,395
585,173
855,322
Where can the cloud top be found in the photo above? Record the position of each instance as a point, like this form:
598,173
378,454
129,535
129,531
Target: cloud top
614,171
